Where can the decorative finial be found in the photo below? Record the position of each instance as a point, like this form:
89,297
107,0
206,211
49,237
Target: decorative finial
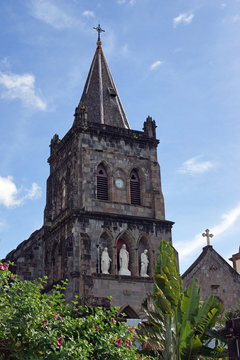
99,30
208,236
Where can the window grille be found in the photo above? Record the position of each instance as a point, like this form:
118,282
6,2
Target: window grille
102,183
135,188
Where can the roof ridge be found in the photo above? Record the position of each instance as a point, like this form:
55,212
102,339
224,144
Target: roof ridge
201,256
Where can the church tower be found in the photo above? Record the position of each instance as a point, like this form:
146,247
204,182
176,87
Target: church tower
103,195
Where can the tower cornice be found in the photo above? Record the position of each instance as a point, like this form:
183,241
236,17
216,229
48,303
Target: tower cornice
103,130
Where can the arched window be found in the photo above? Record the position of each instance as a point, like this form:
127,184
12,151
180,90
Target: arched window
102,183
135,188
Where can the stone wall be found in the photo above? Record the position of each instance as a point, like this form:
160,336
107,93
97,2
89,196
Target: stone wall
28,257
73,165
215,277
78,226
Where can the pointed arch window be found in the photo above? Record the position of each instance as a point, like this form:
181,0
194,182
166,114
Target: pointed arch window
135,188
102,183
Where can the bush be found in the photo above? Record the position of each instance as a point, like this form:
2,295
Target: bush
35,325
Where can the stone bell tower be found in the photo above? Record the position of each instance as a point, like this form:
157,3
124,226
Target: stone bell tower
103,194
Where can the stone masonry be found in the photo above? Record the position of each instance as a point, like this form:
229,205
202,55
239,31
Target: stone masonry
78,224
215,276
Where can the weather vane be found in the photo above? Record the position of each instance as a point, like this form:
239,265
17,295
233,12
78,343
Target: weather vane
99,30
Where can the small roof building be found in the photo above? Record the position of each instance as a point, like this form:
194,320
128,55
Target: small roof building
215,276
236,261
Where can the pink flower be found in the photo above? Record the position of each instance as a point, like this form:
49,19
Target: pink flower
119,342
12,277
61,318
113,321
55,316
4,266
134,338
45,322
59,341
132,328
128,342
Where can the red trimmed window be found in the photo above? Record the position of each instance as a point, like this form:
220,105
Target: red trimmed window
135,188
102,183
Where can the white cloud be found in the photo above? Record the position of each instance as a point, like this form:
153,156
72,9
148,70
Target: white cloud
223,5
125,49
130,2
88,14
184,19
2,224
11,196
194,166
236,18
33,193
49,13
227,220
4,63
14,86
156,64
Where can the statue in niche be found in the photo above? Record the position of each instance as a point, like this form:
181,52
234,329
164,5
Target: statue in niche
144,264
123,261
105,261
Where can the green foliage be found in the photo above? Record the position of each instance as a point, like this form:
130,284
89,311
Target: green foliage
232,313
35,325
179,326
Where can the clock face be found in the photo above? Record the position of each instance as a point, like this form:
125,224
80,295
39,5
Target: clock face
119,183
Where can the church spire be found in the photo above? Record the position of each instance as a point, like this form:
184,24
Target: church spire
100,98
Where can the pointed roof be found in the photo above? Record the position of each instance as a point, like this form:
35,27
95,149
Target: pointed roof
100,95
205,251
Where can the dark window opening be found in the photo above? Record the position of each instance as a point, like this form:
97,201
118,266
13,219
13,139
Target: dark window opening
102,183
112,92
135,188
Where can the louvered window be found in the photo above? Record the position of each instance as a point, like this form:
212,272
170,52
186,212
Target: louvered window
135,188
102,183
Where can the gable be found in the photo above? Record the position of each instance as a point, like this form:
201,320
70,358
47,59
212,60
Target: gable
215,276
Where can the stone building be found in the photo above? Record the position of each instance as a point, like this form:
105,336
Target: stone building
236,261
215,276
103,191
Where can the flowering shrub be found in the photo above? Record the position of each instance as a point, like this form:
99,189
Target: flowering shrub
35,325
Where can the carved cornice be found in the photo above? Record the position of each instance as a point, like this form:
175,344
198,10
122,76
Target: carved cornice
109,219
104,131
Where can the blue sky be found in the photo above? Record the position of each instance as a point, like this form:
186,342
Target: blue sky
178,61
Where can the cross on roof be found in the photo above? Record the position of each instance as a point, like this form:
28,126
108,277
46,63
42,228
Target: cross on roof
208,236
99,30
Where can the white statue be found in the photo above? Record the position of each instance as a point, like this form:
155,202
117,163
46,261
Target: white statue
105,261
144,264
123,261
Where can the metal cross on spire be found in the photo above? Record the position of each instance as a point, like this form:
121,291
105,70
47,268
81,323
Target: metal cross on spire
99,30
208,236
